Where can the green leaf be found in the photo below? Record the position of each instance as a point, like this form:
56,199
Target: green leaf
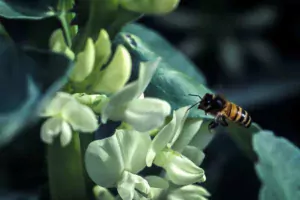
278,167
17,9
243,137
30,29
151,41
175,87
29,77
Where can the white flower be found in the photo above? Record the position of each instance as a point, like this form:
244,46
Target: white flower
190,192
65,112
115,161
157,186
102,193
180,170
144,114
194,138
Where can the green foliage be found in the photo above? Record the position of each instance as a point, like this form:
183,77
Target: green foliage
29,77
175,87
154,42
19,10
278,167
170,81
243,137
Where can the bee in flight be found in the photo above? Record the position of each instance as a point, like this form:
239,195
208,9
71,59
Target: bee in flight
222,109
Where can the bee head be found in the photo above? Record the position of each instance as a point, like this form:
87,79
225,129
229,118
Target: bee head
206,101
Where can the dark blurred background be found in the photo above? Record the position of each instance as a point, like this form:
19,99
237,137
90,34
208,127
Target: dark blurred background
248,51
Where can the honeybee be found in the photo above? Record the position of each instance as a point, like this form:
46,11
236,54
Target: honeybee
222,109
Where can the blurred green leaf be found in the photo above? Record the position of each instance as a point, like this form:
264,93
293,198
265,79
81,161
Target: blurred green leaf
18,9
243,137
151,45
29,77
278,167
30,29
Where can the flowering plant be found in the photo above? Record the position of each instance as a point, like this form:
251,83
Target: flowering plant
95,71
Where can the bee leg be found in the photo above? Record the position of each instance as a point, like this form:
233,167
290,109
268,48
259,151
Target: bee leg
222,120
212,125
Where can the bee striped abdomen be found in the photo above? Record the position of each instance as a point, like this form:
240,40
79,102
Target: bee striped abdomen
239,115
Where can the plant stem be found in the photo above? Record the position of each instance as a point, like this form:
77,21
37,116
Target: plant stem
85,140
66,179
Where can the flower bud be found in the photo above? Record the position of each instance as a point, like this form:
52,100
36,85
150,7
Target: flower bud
103,49
84,63
116,74
57,44
150,6
180,170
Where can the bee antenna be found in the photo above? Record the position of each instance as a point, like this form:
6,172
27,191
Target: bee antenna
196,95
192,106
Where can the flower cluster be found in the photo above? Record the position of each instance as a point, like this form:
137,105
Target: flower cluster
117,161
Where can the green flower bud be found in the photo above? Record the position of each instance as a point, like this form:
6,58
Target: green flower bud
94,101
150,6
57,44
103,49
85,62
116,74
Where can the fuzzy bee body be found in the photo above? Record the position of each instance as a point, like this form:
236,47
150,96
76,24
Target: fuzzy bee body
236,114
222,109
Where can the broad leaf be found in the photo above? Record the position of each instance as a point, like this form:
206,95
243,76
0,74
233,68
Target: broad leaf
151,40
175,87
34,10
28,79
243,137
278,167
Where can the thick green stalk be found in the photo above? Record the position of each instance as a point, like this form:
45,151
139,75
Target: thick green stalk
66,179
85,140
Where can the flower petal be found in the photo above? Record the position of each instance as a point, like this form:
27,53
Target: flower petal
104,161
146,72
57,103
146,114
114,109
116,74
66,134
158,185
107,159
161,140
190,128
157,182
103,49
134,146
181,115
102,193
129,182
84,63
194,154
191,192
50,129
80,117
203,137
180,170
